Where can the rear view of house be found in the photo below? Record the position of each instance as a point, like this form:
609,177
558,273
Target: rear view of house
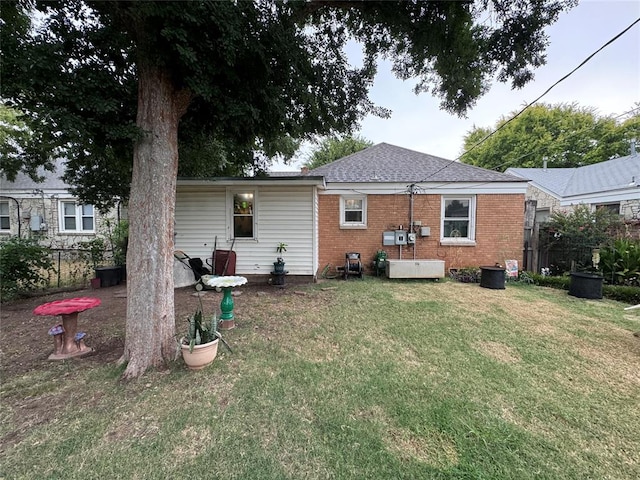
409,204
418,207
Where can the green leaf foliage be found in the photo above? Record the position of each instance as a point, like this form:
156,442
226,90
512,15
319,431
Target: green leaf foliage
260,76
24,266
565,135
578,232
333,148
620,262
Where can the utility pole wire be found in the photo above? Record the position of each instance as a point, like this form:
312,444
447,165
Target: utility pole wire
550,88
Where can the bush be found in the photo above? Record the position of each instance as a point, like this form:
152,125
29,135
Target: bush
620,293
572,237
620,263
561,283
24,266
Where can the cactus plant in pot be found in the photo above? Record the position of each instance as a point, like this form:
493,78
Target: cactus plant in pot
200,344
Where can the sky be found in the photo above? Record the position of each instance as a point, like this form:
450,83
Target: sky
609,83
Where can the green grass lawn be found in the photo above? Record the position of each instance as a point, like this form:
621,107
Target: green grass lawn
373,379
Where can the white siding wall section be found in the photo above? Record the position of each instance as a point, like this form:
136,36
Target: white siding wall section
283,214
200,216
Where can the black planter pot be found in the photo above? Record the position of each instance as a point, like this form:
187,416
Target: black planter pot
278,267
123,273
109,276
492,277
586,285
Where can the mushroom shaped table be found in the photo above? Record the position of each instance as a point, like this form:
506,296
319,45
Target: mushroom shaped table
68,342
226,283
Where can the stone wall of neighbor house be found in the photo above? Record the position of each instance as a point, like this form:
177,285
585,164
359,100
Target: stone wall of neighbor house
629,209
499,231
47,207
545,201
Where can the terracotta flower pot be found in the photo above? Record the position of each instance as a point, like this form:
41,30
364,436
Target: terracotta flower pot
201,356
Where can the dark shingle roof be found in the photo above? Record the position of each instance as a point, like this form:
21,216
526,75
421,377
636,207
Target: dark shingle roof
52,180
605,176
391,164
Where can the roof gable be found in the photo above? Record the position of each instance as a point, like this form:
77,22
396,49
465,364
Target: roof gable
391,164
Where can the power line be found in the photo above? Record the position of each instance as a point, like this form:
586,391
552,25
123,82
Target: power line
568,137
550,88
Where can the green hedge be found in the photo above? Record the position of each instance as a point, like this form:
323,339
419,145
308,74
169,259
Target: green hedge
614,292
622,293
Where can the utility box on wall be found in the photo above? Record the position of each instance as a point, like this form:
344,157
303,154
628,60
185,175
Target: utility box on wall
388,238
35,223
401,237
425,231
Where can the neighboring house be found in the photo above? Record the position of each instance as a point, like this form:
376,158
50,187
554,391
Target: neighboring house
613,184
463,215
47,210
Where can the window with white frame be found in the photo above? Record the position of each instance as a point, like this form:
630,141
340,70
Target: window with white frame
5,219
353,211
458,218
76,218
243,214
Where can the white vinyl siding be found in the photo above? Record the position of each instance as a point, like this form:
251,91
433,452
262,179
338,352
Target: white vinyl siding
280,215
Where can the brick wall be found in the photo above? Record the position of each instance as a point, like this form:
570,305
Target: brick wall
499,230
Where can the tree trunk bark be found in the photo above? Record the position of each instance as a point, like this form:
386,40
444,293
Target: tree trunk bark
150,329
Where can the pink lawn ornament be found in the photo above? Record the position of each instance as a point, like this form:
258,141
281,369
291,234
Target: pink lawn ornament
66,345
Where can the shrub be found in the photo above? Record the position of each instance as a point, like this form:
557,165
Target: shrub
621,293
561,282
93,251
574,235
24,266
620,263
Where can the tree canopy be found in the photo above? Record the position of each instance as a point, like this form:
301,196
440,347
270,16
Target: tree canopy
333,148
14,136
566,135
107,82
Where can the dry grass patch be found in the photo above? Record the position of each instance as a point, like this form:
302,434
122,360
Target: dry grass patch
193,440
433,448
616,365
498,351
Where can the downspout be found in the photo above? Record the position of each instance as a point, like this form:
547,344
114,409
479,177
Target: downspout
411,193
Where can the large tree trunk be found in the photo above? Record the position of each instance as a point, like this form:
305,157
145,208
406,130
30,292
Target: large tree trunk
150,332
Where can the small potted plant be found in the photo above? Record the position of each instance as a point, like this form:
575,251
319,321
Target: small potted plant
200,344
278,265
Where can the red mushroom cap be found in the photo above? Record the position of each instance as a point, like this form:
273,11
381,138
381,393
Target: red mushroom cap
67,306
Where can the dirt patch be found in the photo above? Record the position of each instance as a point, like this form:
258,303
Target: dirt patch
26,345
